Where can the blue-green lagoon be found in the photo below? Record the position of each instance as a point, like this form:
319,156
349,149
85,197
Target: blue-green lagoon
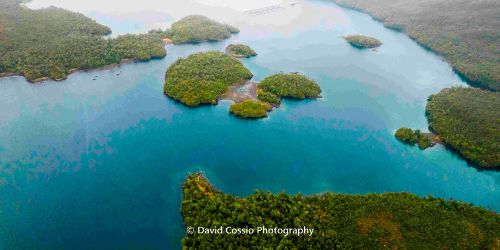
99,163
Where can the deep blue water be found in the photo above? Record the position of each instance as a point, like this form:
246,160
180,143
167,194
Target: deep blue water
99,164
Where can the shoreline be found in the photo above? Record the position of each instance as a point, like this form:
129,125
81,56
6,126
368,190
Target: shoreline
233,93
239,56
400,29
437,140
71,71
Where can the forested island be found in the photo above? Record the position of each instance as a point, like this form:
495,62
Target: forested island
363,42
287,85
240,50
205,77
412,137
250,109
272,89
466,33
340,221
202,78
50,43
468,120
196,29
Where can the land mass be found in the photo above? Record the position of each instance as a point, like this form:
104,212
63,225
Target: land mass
250,109
240,51
206,77
373,221
466,33
287,85
196,29
412,137
270,91
363,42
202,78
468,121
51,43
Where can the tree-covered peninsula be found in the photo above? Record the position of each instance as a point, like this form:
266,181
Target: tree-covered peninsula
52,42
362,42
373,221
291,85
250,109
203,77
196,28
412,137
466,33
240,50
468,120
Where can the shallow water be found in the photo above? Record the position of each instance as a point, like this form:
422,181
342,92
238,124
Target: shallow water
99,164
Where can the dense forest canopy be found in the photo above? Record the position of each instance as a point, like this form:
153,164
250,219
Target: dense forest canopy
250,109
203,77
468,120
48,43
291,85
363,42
373,221
196,28
466,33
268,97
240,50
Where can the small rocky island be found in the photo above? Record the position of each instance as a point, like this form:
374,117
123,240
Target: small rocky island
196,29
412,137
362,42
240,51
250,109
202,78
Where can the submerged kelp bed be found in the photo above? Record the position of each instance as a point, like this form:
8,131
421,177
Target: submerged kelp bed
374,221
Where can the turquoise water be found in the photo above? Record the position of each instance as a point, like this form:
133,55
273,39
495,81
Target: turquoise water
99,164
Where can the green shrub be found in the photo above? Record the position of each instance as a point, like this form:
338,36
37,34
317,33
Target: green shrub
268,97
406,135
425,142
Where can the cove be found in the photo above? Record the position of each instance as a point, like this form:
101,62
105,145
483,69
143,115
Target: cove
99,164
